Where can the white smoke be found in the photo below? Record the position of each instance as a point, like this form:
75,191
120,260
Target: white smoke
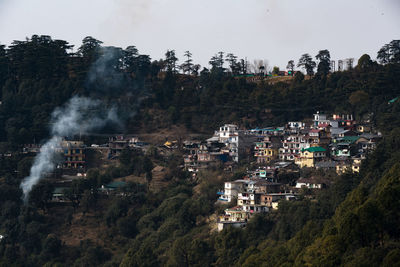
44,162
79,116
105,69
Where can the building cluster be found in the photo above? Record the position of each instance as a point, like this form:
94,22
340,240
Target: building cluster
74,153
276,155
227,145
330,143
336,143
255,195
117,143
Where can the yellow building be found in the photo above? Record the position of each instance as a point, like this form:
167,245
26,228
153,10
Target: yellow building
342,168
235,214
266,154
74,154
309,156
353,166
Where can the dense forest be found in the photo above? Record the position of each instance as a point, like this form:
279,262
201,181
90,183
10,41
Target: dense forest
354,222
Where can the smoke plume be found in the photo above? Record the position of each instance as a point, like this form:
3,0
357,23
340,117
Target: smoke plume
83,115
104,74
79,115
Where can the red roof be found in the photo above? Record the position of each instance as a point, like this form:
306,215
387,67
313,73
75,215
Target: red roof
323,125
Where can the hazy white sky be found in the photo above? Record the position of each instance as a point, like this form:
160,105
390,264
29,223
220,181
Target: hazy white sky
276,30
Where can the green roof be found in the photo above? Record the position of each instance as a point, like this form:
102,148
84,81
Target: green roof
59,190
314,149
116,184
393,100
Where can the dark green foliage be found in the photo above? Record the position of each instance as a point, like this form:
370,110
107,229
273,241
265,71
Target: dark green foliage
170,61
187,66
258,229
41,195
324,59
51,247
133,162
290,66
362,230
353,223
364,62
91,254
298,77
189,251
390,53
127,226
234,65
307,63
229,244
200,103
74,193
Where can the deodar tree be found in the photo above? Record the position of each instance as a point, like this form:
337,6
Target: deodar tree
324,62
170,60
307,63
389,53
217,62
233,64
187,66
290,67
89,49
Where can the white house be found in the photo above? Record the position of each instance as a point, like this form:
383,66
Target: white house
237,141
309,183
232,188
320,118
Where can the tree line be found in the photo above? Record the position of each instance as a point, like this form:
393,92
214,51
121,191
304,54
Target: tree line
354,222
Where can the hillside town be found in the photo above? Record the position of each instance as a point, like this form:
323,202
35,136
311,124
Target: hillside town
277,154
273,156
114,157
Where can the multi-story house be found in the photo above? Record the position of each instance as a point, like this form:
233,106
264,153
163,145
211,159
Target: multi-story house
266,151
271,200
234,217
356,164
74,154
253,196
190,158
118,143
319,137
292,145
238,142
341,150
232,189
343,166
363,128
294,127
309,156
320,118
345,121
367,142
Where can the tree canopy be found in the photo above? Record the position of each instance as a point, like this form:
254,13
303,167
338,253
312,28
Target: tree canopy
353,222
307,63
